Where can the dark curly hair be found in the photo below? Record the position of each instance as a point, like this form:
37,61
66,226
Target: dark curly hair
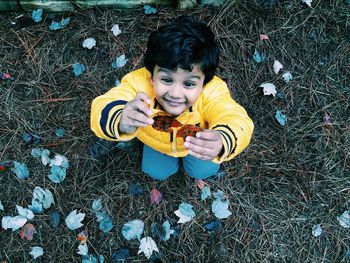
181,44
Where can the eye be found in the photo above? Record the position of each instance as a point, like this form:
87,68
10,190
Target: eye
166,80
189,84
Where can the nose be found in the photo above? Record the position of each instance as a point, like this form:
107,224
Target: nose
175,92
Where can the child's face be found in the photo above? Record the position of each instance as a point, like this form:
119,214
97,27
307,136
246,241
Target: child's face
177,90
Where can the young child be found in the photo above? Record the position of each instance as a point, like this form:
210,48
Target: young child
175,105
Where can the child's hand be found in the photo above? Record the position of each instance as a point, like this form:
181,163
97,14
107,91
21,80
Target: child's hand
136,114
206,145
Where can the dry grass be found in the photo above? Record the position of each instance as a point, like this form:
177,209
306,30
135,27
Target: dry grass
289,178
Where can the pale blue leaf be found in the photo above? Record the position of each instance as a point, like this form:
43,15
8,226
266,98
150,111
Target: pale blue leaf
120,62
78,69
48,199
60,160
133,229
149,9
116,83
167,230
102,259
1,207
37,15
13,222
36,252
135,189
97,205
106,224
316,230
45,159
25,212
83,249
344,219
36,207
186,209
220,208
57,174
27,137
59,25
287,76
21,170
219,194
259,57
73,220
120,254
101,215
88,259
205,193
59,132
36,152
281,118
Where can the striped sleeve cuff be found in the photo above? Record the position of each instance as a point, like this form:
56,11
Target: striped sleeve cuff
229,141
110,118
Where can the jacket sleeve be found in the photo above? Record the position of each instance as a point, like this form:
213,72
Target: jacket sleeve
106,110
230,119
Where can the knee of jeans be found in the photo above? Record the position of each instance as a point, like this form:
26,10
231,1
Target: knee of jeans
202,173
158,175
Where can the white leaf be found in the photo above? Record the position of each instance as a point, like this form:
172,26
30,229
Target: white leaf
344,219
15,222
183,218
97,205
277,66
36,252
1,207
115,29
316,230
89,43
308,2
45,156
269,89
25,212
287,76
220,209
83,249
73,220
133,229
147,246
59,160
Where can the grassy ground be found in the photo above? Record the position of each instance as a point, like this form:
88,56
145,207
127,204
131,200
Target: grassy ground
289,178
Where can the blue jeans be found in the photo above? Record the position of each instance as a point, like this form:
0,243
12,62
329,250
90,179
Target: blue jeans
161,166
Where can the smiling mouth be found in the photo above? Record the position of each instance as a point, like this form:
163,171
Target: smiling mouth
173,103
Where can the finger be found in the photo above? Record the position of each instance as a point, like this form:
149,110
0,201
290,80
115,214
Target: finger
139,118
208,135
140,106
144,97
201,150
200,156
190,140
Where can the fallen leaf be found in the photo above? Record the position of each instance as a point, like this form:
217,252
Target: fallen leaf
1,207
213,226
200,184
106,224
259,58
115,29
281,118
316,230
185,213
263,37
55,219
37,15
307,2
25,212
78,69
88,259
83,249
27,231
36,152
97,205
45,159
327,121
205,193
122,253
147,246
59,160
21,170
89,43
82,236
287,76
120,62
13,222
162,232
57,174
135,189
156,196
220,208
344,219
73,220
149,9
59,25
277,66
133,229
36,252
59,132
269,89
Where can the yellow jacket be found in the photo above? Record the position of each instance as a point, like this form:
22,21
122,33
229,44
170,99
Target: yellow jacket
214,109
